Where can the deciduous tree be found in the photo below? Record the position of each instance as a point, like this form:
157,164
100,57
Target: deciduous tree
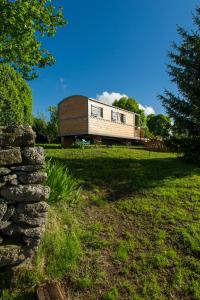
159,125
131,104
22,24
52,125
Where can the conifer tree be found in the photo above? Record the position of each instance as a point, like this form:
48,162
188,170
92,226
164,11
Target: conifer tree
184,108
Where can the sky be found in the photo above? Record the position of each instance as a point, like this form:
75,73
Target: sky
112,48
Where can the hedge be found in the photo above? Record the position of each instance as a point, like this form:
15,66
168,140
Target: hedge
15,98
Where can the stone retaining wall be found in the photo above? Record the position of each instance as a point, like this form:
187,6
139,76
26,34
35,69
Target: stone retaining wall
23,207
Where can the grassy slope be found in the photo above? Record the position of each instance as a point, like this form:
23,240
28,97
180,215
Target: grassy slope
138,224
141,220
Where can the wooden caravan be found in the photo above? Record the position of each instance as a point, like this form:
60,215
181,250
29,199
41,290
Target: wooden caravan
84,117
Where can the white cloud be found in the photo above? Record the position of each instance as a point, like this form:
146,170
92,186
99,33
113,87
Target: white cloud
109,98
63,82
148,110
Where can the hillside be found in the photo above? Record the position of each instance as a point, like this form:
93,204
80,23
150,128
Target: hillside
129,230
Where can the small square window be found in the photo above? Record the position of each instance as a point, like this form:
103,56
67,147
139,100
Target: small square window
118,117
96,111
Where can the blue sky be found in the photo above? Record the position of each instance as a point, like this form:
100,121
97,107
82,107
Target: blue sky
113,46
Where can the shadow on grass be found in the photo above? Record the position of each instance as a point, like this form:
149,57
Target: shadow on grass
6,287
50,146
122,177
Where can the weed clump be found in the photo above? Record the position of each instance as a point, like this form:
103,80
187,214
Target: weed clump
63,186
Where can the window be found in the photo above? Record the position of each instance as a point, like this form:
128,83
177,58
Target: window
114,116
96,111
117,117
123,118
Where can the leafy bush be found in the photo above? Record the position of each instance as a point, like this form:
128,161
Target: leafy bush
63,186
80,144
16,98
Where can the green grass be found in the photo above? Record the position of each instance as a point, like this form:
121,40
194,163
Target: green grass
111,294
133,234
123,248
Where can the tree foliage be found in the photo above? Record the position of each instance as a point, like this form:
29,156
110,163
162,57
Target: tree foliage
22,23
159,125
40,128
131,104
52,125
15,98
47,130
184,108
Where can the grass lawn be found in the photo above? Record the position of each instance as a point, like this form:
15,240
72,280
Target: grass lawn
133,231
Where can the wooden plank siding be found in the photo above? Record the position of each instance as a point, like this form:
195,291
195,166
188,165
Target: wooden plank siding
75,118
106,127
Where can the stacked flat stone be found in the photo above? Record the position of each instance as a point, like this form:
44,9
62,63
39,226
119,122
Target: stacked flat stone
23,207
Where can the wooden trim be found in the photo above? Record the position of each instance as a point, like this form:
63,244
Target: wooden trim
73,96
103,135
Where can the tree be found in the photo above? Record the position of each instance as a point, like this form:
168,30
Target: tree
159,125
184,108
47,130
15,98
131,104
22,23
40,128
52,126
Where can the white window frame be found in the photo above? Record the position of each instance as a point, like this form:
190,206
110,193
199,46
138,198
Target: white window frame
96,111
120,118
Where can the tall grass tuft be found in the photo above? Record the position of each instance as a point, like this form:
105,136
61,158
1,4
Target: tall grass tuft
60,247
63,186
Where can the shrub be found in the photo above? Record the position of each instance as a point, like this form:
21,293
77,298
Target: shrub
63,186
80,144
16,98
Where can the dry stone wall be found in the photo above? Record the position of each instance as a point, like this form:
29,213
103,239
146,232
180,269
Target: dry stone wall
23,207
